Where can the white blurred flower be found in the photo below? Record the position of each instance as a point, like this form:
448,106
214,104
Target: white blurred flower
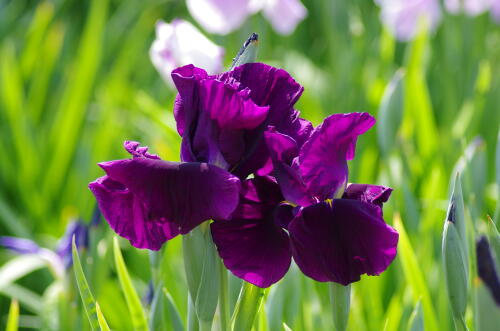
180,43
224,16
402,17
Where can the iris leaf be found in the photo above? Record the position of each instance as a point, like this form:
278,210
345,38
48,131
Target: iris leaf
247,307
100,317
390,112
133,302
414,276
88,300
416,322
13,318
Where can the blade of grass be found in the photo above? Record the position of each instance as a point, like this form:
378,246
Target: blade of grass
13,318
66,128
88,300
100,318
133,302
414,275
247,307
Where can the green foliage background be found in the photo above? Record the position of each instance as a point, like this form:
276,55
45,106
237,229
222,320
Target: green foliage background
76,81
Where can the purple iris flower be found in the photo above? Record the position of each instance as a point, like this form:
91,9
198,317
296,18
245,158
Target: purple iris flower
222,120
334,231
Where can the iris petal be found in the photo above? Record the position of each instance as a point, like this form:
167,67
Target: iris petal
339,242
374,194
251,245
283,149
323,158
129,217
149,201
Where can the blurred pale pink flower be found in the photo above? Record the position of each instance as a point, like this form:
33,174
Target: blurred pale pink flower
224,16
284,15
469,7
475,7
495,10
403,17
180,43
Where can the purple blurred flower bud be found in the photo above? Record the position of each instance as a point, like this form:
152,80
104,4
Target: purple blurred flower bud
96,216
180,43
19,245
486,268
402,16
81,233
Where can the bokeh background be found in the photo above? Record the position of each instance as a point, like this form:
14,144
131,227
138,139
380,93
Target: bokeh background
76,81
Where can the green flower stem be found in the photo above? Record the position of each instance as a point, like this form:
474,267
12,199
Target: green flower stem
340,297
205,325
460,324
248,305
223,298
192,320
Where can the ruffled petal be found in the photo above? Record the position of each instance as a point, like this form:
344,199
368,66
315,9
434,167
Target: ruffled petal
229,108
129,217
251,245
323,158
339,242
184,193
373,194
268,86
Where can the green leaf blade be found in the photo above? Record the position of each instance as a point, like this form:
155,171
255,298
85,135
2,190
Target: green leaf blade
133,302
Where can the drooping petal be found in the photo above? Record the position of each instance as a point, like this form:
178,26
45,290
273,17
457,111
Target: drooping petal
150,201
339,242
251,245
219,16
282,150
323,157
179,43
373,194
129,217
184,193
284,15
